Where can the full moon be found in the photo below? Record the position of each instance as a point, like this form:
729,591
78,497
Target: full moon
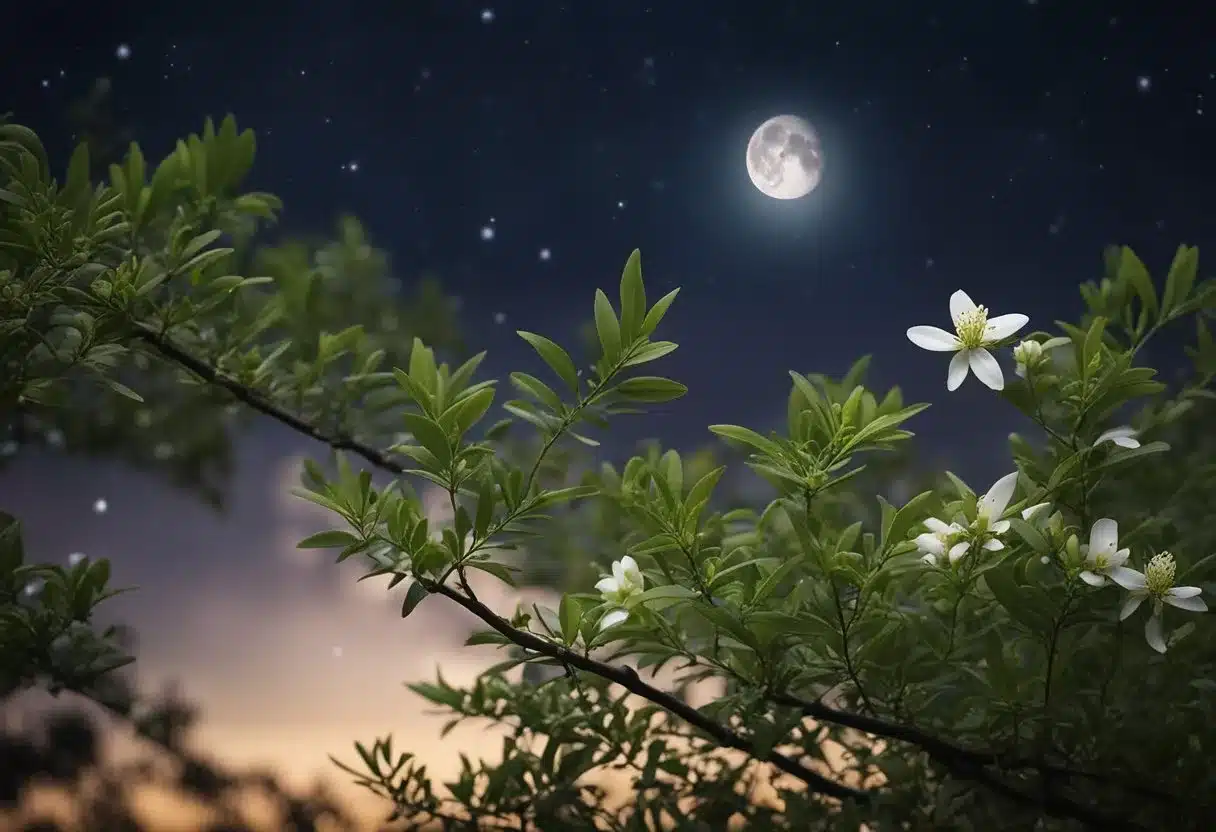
784,159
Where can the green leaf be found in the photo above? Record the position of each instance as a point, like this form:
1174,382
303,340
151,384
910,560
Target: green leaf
570,614
330,539
498,570
1034,538
633,298
467,411
1023,604
430,435
413,597
747,437
651,389
1126,455
1181,278
659,597
537,389
656,313
1132,270
607,327
650,352
557,358
123,390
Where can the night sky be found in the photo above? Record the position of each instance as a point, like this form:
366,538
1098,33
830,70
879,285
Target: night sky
992,146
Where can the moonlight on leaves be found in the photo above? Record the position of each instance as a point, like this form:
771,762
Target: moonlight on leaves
784,158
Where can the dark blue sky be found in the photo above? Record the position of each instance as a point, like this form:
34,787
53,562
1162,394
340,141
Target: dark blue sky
993,146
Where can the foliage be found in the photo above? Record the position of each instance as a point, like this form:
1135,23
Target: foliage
973,658
67,751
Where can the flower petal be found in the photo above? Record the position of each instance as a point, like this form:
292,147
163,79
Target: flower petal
933,338
930,543
1126,442
957,371
960,304
958,550
1129,579
1132,604
986,369
1103,537
1030,515
993,545
1119,558
608,586
629,564
1002,326
993,504
1153,633
1192,603
613,618
1123,432
937,526
1185,591
999,527
1093,578
930,559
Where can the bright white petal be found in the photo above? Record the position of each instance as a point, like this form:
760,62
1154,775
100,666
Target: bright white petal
1052,343
613,618
999,527
629,564
1020,369
958,550
1132,604
608,586
933,338
957,371
1185,591
1119,558
1126,442
1034,512
1002,326
930,543
1153,634
930,559
987,369
1123,432
937,526
960,304
993,545
993,504
1103,537
618,572
1093,578
1192,603
1129,579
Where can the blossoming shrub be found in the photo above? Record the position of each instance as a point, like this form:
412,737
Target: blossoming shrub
961,660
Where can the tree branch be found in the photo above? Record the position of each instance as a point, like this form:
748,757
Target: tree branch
627,678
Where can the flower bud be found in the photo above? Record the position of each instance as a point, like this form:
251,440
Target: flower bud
1072,551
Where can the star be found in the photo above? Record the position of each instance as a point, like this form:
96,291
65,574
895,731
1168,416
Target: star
545,254
1144,83
75,558
500,317
122,52
100,506
487,232
487,15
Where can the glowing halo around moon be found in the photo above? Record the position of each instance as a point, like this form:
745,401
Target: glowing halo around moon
784,158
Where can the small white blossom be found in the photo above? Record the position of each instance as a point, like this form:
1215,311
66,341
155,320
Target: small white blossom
936,542
1124,437
1029,354
1157,583
626,581
990,507
974,333
1103,557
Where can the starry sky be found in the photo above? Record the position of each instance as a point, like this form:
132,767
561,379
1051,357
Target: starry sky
519,151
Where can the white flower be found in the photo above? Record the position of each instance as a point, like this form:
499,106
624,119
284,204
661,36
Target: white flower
1157,583
1027,354
626,580
974,334
935,543
1124,437
1103,557
989,509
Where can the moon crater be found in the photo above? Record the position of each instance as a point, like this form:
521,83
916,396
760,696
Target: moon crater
784,158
